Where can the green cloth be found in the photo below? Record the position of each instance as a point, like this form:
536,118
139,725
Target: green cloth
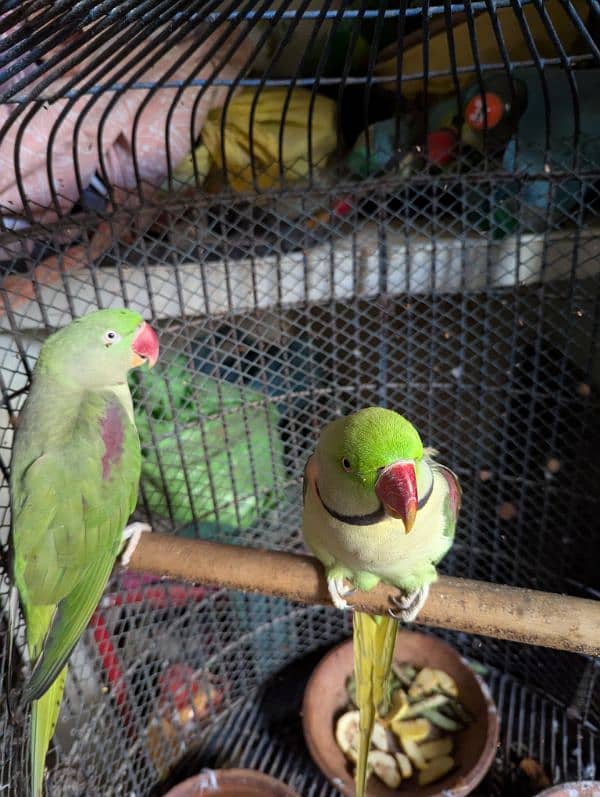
215,443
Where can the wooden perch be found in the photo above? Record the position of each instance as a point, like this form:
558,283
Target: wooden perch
521,615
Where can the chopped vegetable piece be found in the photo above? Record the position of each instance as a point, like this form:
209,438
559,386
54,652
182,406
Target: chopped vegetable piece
415,709
442,721
406,673
414,753
435,769
398,707
430,680
437,747
459,711
417,730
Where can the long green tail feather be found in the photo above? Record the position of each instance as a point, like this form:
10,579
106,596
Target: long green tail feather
374,639
44,715
44,712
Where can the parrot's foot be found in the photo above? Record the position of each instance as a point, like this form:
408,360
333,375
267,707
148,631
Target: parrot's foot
131,536
409,605
339,592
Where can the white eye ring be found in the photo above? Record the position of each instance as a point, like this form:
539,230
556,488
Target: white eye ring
110,337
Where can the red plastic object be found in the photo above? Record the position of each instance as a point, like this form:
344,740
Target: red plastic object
440,146
178,684
343,206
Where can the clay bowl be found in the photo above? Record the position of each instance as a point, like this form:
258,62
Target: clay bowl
231,783
583,788
325,699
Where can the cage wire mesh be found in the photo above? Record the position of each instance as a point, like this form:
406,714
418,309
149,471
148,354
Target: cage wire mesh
314,206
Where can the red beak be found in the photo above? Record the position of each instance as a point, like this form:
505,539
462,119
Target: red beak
396,488
145,346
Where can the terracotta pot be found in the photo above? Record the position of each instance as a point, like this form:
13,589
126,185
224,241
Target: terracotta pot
325,699
583,788
231,783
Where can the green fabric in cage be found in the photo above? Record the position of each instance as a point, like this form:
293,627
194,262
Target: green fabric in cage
212,455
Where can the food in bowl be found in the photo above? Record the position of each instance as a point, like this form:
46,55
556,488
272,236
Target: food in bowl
415,734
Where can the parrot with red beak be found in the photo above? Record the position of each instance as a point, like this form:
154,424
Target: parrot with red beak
74,480
377,508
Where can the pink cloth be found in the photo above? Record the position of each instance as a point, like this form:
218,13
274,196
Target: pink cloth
156,133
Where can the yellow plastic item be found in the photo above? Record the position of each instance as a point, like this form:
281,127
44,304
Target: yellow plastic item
489,50
266,136
184,173
415,730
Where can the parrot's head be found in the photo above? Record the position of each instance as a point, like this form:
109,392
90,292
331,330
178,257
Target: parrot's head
377,454
97,350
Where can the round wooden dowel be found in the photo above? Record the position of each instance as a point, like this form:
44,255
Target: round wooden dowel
522,615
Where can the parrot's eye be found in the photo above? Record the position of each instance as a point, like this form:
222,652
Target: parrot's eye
110,337
346,464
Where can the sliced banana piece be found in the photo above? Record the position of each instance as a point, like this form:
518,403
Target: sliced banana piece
347,733
380,738
385,767
404,765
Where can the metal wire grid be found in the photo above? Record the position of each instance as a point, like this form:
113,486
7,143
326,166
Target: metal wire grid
536,548
258,721
485,335
261,734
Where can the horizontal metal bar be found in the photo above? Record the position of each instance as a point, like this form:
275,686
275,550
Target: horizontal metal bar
308,82
350,13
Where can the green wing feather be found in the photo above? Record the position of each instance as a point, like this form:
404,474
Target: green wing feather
69,621
67,527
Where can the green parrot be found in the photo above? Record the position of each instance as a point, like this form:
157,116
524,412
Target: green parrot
377,508
74,481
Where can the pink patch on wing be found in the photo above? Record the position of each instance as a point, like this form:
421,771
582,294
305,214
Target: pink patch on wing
454,491
111,429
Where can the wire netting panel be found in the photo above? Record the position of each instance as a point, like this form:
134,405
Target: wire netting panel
319,208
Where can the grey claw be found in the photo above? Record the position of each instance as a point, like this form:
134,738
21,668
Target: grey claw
404,600
409,605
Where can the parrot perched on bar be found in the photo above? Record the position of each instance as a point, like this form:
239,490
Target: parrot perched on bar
74,481
377,508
